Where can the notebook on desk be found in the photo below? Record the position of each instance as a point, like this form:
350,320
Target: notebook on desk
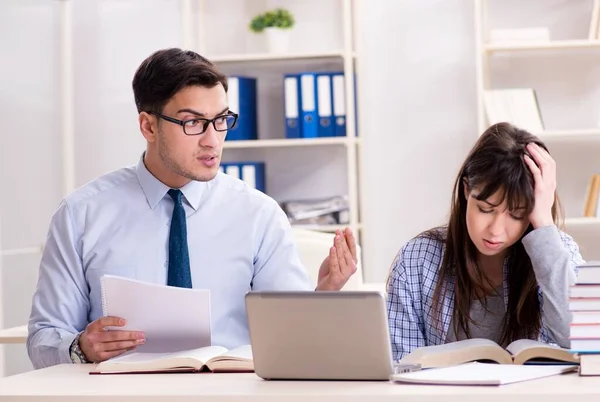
319,335
476,373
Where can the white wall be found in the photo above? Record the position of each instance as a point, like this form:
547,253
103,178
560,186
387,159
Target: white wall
30,149
418,72
418,112
416,83
111,38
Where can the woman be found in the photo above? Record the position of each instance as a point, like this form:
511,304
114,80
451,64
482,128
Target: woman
500,269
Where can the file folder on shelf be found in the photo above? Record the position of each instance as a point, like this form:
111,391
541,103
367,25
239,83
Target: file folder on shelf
324,105
242,98
251,173
308,109
339,104
291,95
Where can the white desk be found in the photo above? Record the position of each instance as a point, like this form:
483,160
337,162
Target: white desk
73,383
13,335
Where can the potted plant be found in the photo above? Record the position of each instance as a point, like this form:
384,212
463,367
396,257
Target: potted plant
276,25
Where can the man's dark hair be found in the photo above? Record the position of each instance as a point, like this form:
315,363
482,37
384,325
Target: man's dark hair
166,72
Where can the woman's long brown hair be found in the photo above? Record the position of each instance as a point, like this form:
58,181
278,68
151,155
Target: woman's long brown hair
494,165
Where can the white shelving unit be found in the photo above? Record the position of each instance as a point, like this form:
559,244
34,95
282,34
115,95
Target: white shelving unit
552,45
273,57
345,56
585,230
292,142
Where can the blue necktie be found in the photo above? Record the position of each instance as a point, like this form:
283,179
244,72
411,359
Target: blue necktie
179,259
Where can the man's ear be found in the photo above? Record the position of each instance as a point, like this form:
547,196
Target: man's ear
148,126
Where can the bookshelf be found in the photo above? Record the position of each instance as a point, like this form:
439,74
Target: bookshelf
585,230
236,58
198,30
552,45
291,142
585,135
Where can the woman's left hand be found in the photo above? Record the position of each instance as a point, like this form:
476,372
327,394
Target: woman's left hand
544,175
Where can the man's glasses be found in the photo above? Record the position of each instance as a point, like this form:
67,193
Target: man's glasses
199,125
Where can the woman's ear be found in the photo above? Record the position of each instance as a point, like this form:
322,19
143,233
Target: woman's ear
465,188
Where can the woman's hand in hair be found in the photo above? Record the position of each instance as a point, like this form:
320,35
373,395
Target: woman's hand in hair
543,168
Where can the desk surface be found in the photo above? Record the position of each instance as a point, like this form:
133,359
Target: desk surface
73,382
13,335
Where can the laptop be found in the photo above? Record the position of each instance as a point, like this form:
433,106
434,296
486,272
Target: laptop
318,335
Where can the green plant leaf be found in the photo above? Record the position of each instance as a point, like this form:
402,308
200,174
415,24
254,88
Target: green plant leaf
279,18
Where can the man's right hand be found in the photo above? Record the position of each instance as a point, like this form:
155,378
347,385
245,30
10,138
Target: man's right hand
99,344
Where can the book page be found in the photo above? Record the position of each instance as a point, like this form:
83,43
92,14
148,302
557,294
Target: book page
138,358
236,360
528,350
243,352
458,352
520,345
162,312
201,354
481,374
160,361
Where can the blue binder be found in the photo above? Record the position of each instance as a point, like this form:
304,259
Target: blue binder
251,173
242,99
324,105
339,103
308,108
291,104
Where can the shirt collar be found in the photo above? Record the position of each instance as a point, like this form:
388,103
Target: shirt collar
155,190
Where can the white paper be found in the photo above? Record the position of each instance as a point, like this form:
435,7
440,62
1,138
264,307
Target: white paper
481,374
173,319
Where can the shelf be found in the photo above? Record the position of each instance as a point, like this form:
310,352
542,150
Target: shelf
22,251
578,134
295,142
233,58
557,45
582,222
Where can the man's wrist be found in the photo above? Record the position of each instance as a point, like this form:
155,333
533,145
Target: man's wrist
75,352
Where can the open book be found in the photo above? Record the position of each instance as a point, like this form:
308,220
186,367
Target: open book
523,351
210,358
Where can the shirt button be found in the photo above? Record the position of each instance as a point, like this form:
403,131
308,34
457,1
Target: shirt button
168,223
166,264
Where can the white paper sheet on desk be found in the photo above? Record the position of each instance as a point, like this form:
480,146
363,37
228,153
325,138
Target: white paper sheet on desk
172,318
481,374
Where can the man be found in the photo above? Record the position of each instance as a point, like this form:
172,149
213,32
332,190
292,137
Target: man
170,220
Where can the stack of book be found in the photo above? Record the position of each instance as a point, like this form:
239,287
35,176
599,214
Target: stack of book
584,303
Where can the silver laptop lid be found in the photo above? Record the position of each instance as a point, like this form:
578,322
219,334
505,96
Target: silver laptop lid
319,335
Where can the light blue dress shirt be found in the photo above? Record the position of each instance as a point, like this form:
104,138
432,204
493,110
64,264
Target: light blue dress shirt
239,240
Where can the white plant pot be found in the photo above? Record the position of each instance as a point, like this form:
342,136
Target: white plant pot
278,40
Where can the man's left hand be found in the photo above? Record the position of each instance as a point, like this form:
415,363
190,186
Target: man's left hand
340,265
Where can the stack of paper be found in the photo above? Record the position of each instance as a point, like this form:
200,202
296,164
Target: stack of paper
173,319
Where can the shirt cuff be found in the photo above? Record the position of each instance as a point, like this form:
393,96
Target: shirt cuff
64,349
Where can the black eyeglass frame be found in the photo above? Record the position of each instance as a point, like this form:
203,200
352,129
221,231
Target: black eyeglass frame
183,123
